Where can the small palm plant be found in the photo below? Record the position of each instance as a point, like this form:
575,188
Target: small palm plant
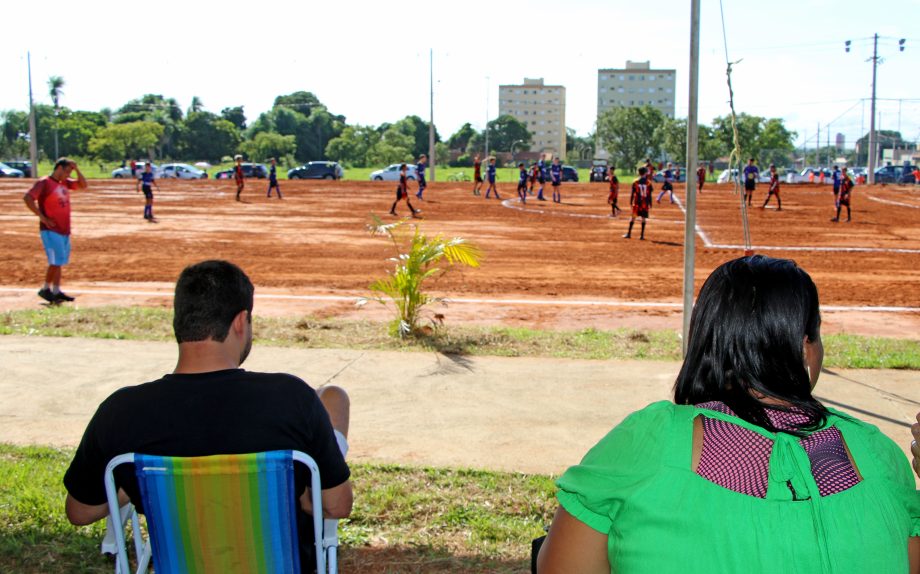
417,256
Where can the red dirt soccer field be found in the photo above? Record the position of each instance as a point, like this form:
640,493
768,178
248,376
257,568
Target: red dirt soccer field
545,264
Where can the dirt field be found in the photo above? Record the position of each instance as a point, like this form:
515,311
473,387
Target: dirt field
563,256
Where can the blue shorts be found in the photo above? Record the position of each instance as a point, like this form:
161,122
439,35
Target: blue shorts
57,247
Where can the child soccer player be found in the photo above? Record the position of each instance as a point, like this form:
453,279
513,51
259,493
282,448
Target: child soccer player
846,186
649,170
145,184
836,184
668,185
522,183
533,176
402,192
750,180
640,199
420,169
238,176
555,175
477,176
273,180
614,192
700,178
541,177
490,175
774,190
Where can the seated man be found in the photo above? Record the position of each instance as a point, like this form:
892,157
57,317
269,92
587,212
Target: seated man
208,405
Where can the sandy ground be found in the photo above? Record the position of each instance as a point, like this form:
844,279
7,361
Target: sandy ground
527,415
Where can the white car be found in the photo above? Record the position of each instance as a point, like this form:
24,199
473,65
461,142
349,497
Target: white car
391,173
803,177
123,172
181,171
725,176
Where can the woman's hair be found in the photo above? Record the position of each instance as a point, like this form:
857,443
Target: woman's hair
746,340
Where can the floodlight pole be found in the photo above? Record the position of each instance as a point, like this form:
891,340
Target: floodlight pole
487,118
873,140
431,148
33,139
692,161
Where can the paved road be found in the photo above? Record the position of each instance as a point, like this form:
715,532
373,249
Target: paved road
528,415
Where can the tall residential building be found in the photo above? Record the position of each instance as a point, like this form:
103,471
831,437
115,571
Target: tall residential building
541,108
636,85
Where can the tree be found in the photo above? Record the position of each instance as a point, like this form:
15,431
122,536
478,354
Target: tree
461,138
55,90
394,147
301,102
267,145
417,128
350,148
710,146
156,108
505,130
775,143
77,129
133,139
631,134
235,116
673,135
196,106
14,132
886,139
209,137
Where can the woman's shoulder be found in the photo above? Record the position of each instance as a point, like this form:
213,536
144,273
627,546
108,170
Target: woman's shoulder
642,438
873,451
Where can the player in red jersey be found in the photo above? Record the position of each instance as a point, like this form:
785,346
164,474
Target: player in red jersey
238,176
614,192
640,199
774,190
402,192
700,178
649,170
534,174
477,176
846,186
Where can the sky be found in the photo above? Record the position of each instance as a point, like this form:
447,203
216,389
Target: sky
369,61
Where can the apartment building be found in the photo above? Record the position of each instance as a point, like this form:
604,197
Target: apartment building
541,108
638,84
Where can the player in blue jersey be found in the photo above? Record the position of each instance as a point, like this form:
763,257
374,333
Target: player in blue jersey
836,176
541,177
420,170
145,183
750,180
490,175
555,175
668,186
273,180
522,183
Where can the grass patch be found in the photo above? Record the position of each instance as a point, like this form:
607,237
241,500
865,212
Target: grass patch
404,520
155,324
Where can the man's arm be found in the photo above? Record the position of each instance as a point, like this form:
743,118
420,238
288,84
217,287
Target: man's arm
81,181
337,501
33,207
80,514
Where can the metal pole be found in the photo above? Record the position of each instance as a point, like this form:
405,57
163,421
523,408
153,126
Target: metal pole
33,138
431,148
873,143
487,118
818,146
692,161
827,152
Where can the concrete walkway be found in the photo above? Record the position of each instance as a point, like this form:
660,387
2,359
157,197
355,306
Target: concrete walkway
528,415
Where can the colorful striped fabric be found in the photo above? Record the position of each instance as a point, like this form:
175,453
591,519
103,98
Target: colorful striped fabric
220,514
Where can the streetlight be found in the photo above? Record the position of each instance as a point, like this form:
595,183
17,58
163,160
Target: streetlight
514,143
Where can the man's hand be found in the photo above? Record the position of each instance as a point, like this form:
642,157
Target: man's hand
914,447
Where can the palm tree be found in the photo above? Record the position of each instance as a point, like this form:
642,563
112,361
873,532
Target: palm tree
196,106
55,90
416,257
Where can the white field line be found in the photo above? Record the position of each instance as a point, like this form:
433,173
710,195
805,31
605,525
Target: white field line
510,203
699,230
891,202
475,301
825,249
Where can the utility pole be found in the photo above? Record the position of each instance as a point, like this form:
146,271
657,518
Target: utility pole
431,148
486,157
818,146
33,138
692,161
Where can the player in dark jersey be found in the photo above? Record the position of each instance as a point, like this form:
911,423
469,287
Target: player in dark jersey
402,192
640,199
750,180
145,184
238,176
668,186
649,170
836,184
700,178
273,180
477,176
420,170
490,175
846,187
774,190
522,183
541,177
614,192
555,175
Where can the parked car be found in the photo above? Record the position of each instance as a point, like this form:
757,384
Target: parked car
598,171
659,176
7,171
24,166
317,170
181,171
569,173
123,172
391,173
804,176
727,176
894,174
250,170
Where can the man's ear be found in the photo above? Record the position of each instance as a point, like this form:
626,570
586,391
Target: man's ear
239,322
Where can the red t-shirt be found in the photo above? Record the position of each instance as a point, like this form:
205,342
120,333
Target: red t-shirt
53,199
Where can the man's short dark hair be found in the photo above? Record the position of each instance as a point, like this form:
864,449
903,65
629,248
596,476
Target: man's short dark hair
208,297
62,162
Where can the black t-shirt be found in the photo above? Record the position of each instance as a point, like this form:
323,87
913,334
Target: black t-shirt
222,412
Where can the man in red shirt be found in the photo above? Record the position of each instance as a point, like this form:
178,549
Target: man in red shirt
49,199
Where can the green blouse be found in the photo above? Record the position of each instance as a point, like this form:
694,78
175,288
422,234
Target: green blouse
637,487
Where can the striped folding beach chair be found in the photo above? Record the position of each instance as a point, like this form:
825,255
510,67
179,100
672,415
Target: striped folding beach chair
221,514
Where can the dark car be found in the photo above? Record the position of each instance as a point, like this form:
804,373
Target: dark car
256,170
24,166
598,173
895,174
317,170
659,176
569,173
7,171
